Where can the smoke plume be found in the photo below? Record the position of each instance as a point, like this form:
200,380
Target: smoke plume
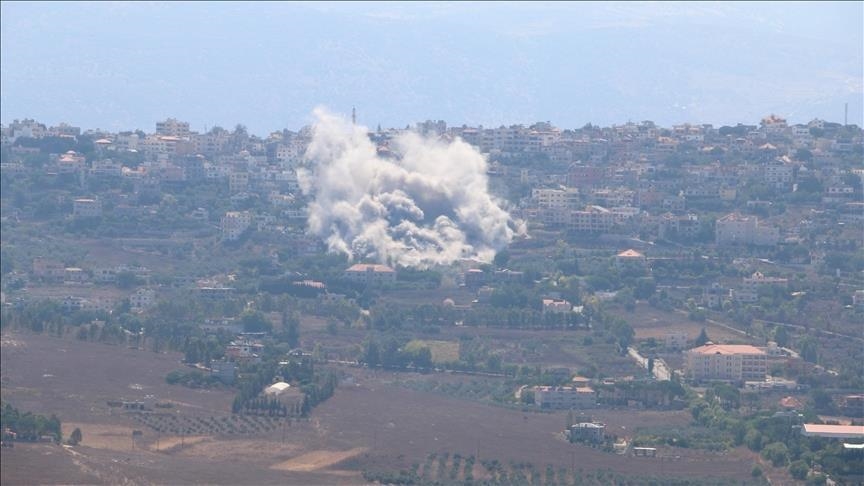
425,203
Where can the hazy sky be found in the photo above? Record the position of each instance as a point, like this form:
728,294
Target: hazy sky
267,65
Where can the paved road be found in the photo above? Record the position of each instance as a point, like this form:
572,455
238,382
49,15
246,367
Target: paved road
661,370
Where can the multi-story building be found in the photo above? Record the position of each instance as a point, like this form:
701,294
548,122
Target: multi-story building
735,229
370,274
49,270
726,362
749,290
173,127
556,198
238,181
676,340
674,227
564,397
234,224
142,299
594,219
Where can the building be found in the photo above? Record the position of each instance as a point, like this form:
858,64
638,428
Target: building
591,432
676,340
87,208
172,127
735,229
234,224
750,286
726,362
370,274
564,397
277,389
142,299
224,371
833,431
672,227
594,219
630,259
48,270
556,306
474,278
74,275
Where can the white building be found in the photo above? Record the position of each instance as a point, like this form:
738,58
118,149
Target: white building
564,397
735,229
726,362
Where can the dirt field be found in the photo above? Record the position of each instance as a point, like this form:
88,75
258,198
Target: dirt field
649,322
366,426
442,351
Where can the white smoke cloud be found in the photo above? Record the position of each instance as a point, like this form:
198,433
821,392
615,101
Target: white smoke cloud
427,205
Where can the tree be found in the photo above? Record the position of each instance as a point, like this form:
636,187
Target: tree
777,453
810,350
702,338
501,258
254,321
372,356
291,328
799,470
76,437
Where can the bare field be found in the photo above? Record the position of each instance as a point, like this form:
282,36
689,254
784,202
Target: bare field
649,322
315,460
367,425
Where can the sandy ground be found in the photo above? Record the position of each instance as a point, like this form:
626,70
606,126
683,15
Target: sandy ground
315,460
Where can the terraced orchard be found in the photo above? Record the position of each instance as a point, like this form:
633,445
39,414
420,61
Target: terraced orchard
166,423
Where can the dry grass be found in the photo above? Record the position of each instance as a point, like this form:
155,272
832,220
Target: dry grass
315,460
442,351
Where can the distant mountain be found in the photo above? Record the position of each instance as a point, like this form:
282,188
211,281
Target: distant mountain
126,65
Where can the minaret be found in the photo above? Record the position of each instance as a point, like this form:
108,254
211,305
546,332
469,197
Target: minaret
353,116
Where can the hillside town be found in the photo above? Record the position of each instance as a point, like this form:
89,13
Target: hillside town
712,271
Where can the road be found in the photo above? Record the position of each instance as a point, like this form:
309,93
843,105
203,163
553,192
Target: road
661,370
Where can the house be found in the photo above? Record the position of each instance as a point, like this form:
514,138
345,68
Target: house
370,274
556,306
474,278
87,208
48,270
224,371
277,389
74,275
713,296
726,362
749,290
630,259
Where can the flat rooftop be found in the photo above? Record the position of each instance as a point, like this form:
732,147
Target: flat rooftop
835,431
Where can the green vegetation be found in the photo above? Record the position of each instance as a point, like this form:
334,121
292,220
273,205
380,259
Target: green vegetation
29,426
